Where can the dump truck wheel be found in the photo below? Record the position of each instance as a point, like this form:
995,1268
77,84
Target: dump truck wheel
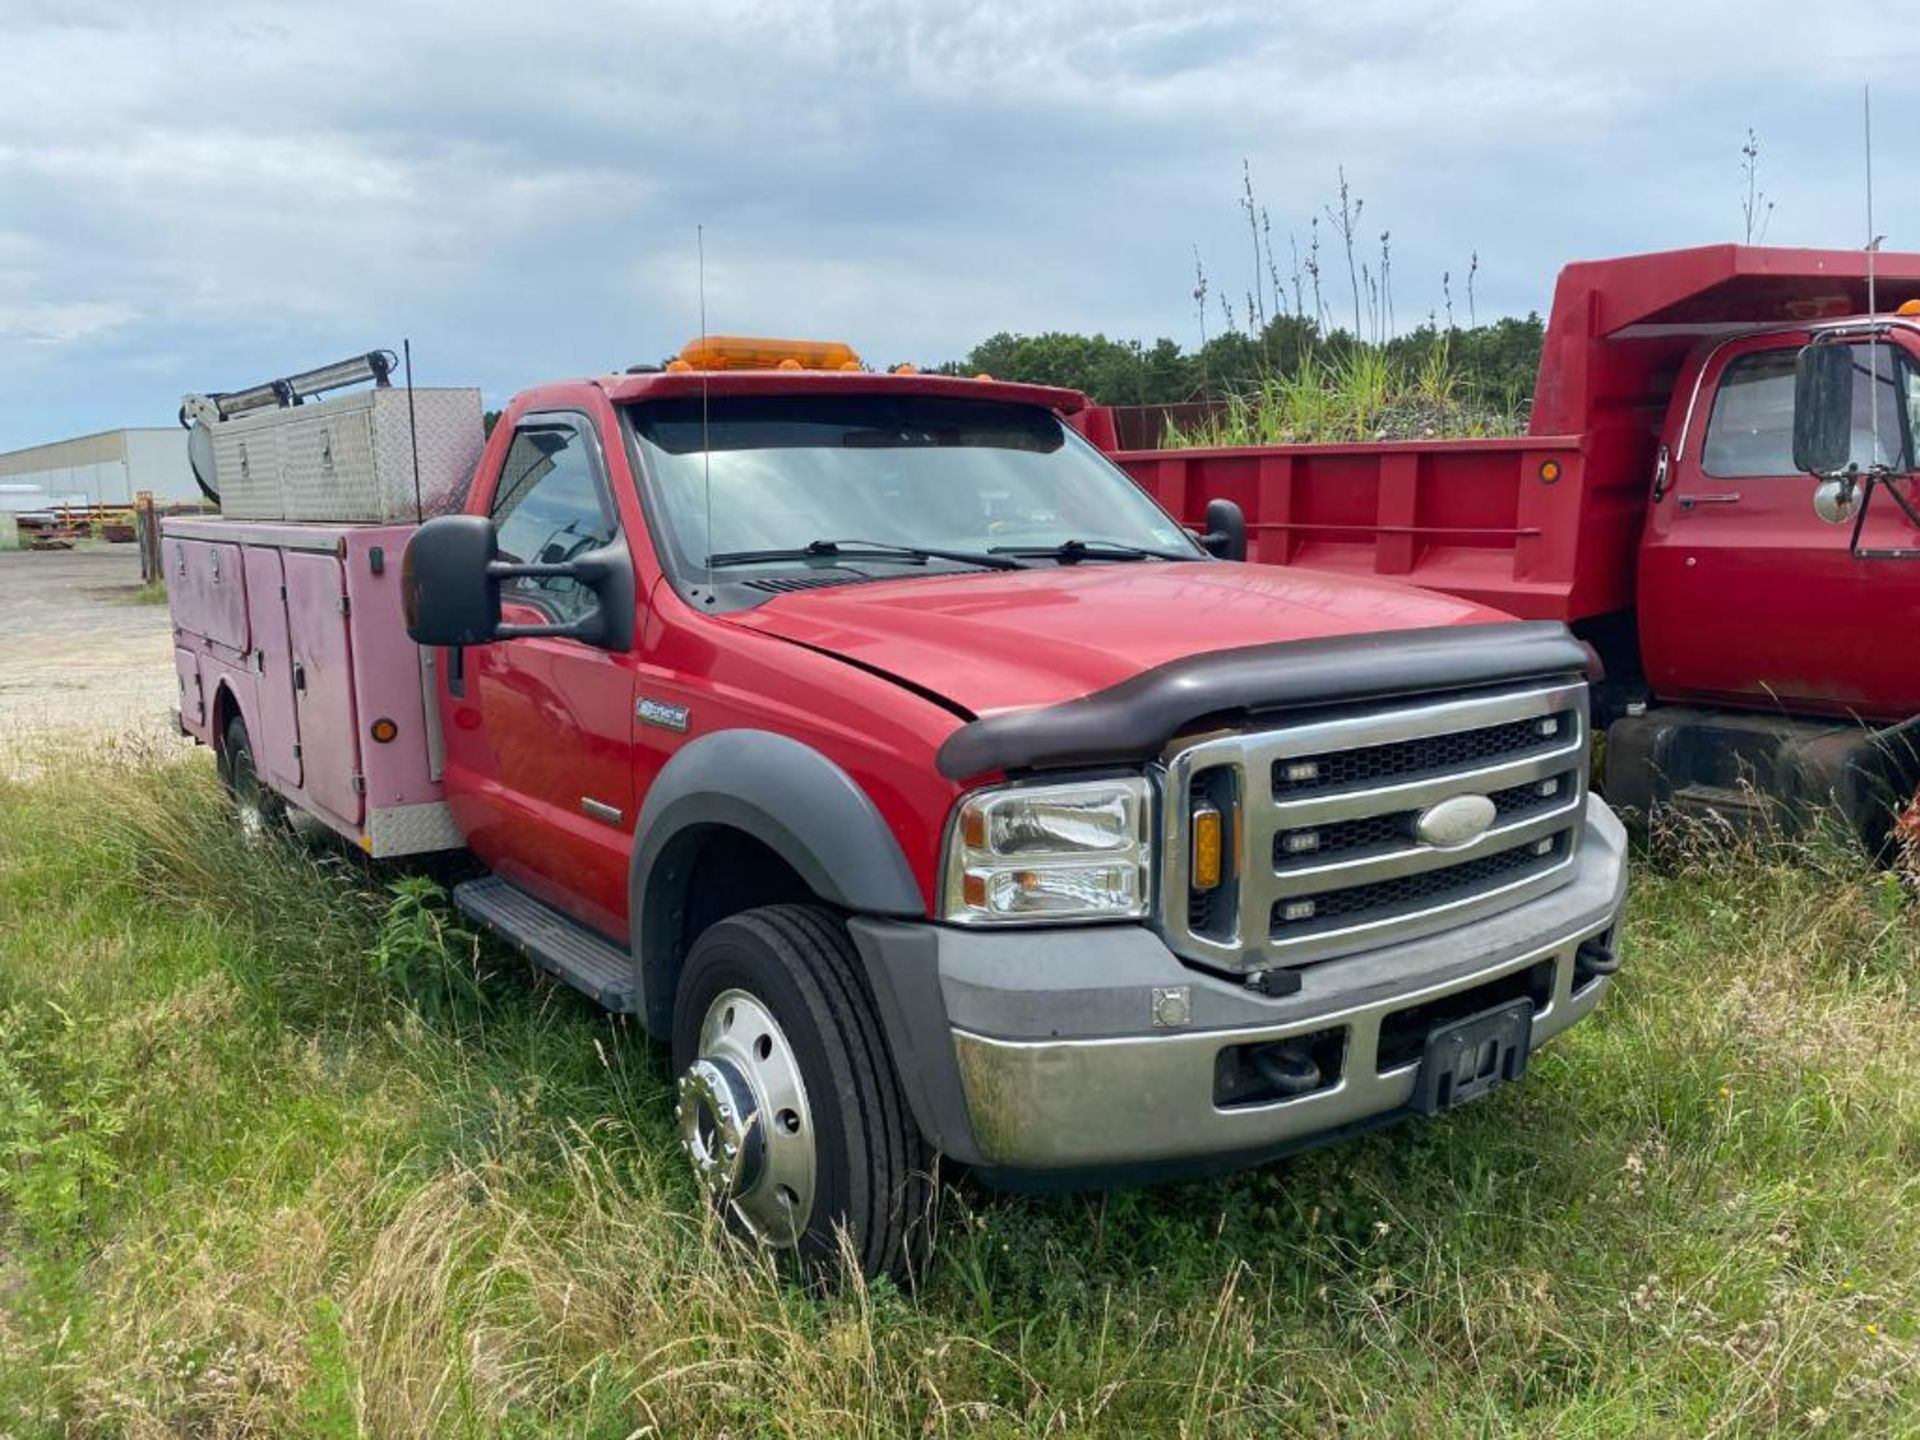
788,1103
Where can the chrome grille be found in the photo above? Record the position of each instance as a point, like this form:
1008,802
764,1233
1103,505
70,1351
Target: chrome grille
1425,755
1328,860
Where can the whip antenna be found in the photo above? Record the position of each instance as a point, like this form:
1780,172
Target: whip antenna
413,432
1873,306
706,445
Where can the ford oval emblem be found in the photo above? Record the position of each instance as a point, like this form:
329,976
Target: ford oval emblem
1455,822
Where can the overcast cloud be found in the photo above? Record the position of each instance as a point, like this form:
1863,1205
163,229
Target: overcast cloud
199,196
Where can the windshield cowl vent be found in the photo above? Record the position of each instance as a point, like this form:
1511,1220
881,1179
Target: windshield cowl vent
781,585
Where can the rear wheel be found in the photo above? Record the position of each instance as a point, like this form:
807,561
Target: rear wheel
256,807
789,1106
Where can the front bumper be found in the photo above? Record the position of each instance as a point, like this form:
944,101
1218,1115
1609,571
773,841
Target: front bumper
1037,1053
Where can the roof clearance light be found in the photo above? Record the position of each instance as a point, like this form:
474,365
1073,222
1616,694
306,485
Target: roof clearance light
1910,307
745,352
905,370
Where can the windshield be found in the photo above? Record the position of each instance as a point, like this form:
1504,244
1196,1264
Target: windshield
788,471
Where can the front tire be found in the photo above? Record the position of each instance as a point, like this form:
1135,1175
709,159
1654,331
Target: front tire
789,1106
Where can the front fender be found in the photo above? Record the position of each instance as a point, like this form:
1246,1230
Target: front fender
790,798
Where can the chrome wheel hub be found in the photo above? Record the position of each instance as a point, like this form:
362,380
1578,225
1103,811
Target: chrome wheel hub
744,1121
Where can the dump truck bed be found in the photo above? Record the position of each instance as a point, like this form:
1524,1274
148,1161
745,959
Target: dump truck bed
1547,525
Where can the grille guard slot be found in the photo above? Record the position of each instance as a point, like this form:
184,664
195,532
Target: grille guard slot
1248,935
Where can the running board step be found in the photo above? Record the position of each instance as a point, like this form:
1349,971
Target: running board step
594,966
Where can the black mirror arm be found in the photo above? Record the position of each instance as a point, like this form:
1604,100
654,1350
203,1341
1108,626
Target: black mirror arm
514,570
608,572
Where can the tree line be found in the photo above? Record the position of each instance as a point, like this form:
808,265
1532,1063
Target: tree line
1494,363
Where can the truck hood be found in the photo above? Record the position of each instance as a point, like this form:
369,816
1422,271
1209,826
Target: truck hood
1008,640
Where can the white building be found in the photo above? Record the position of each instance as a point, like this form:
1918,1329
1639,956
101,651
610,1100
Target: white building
105,469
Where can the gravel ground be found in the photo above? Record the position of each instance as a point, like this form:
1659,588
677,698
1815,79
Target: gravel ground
77,658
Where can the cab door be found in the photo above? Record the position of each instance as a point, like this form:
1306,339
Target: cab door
539,750
1748,598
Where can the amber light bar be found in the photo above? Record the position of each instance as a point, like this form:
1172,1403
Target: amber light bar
746,352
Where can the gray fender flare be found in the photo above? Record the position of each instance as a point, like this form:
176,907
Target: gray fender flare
792,799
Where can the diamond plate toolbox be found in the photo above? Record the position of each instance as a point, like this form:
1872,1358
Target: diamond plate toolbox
350,459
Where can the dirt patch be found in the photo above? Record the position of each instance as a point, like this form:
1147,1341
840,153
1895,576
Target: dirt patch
75,658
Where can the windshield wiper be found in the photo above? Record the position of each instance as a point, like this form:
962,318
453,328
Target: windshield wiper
1072,552
876,550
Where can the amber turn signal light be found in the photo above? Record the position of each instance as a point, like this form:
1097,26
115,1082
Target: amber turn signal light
1207,847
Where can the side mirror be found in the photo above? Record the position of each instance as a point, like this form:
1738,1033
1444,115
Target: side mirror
450,587
450,598
1823,409
1837,498
1226,535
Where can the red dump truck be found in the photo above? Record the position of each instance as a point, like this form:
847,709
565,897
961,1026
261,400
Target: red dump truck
874,742
1754,619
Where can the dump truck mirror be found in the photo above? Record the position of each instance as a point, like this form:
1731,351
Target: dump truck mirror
450,585
1836,498
1823,409
1226,535
445,585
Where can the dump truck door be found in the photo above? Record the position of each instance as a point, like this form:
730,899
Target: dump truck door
1746,596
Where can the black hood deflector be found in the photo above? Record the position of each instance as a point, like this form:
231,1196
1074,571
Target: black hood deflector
1135,719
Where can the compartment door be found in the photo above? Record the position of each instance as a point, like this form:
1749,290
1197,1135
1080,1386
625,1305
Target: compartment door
323,696
193,704
278,743
206,590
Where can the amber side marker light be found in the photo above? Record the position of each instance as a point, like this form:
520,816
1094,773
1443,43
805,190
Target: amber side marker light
383,730
1207,848
1549,471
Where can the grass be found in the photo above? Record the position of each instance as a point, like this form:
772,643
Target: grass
284,1150
1357,393
150,592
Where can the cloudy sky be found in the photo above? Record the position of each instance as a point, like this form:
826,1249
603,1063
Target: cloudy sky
197,196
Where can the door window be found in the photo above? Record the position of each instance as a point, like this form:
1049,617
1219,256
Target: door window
1751,429
549,507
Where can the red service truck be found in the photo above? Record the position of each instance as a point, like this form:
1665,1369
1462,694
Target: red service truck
1753,618
921,781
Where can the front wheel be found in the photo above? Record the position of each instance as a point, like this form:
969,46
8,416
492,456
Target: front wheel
789,1106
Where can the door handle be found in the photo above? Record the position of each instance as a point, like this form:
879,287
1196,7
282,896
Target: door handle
1723,497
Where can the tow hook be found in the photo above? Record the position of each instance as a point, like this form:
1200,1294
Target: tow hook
1596,956
1274,983
1289,1069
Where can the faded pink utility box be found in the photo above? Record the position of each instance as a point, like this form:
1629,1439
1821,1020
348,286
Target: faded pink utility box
295,632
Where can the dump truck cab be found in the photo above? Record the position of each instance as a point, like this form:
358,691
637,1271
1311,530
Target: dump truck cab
1752,636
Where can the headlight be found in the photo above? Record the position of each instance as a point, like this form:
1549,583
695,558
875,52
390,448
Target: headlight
1050,852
